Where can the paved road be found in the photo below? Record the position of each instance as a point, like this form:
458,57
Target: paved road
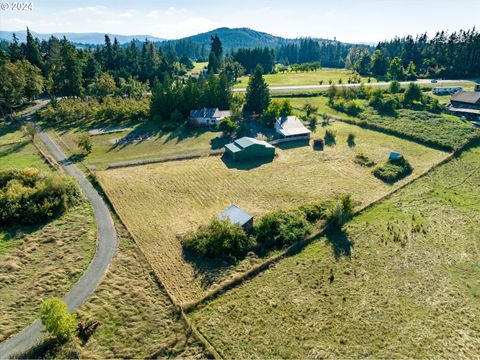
323,87
106,248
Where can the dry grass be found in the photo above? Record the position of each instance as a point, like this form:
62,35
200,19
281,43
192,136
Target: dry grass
401,281
137,318
159,202
42,262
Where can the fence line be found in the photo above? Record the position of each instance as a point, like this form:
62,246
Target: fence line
123,164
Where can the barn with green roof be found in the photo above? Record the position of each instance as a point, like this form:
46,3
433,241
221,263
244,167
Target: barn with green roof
247,148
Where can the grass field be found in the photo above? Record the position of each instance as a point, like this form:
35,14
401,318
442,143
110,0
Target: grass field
159,202
137,318
41,262
162,143
198,66
305,78
16,151
406,286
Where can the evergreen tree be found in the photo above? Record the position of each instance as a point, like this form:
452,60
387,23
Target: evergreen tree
32,51
216,47
258,94
14,50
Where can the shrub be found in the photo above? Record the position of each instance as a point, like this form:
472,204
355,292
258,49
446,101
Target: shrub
57,320
281,228
351,139
227,126
352,108
85,143
27,197
330,137
363,160
318,144
393,170
176,117
339,210
314,211
218,238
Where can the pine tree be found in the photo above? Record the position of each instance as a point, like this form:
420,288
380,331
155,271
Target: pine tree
32,51
258,94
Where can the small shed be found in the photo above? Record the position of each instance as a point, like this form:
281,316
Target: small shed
395,156
247,148
237,216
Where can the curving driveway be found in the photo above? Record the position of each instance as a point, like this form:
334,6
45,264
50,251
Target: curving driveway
106,248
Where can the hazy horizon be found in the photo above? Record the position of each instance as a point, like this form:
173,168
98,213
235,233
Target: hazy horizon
349,21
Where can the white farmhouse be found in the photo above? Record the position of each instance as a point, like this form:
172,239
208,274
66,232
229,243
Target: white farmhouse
208,116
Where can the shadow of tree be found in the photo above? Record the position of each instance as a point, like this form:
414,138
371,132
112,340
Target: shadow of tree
339,241
12,148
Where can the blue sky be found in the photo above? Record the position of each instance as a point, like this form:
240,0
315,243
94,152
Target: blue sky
347,20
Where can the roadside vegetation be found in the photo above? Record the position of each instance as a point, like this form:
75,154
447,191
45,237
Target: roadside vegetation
136,317
28,197
38,262
373,288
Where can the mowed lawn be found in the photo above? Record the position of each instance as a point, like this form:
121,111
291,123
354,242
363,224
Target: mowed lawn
407,284
162,201
159,144
305,78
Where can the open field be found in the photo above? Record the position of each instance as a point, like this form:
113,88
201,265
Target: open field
161,143
137,318
305,78
41,262
16,151
159,202
400,281
198,66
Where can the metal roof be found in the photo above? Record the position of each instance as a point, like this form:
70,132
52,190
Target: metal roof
212,113
233,148
235,215
245,142
468,97
291,126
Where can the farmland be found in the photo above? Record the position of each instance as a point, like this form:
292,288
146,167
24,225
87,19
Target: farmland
150,198
305,78
405,285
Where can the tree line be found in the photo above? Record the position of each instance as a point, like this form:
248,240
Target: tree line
445,55
56,67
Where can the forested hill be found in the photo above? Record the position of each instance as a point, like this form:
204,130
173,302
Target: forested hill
239,38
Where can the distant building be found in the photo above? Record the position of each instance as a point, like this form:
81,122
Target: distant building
290,126
208,116
248,148
446,90
237,216
466,103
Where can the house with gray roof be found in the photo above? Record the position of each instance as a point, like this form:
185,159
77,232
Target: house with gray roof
247,148
208,116
237,216
466,103
290,126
